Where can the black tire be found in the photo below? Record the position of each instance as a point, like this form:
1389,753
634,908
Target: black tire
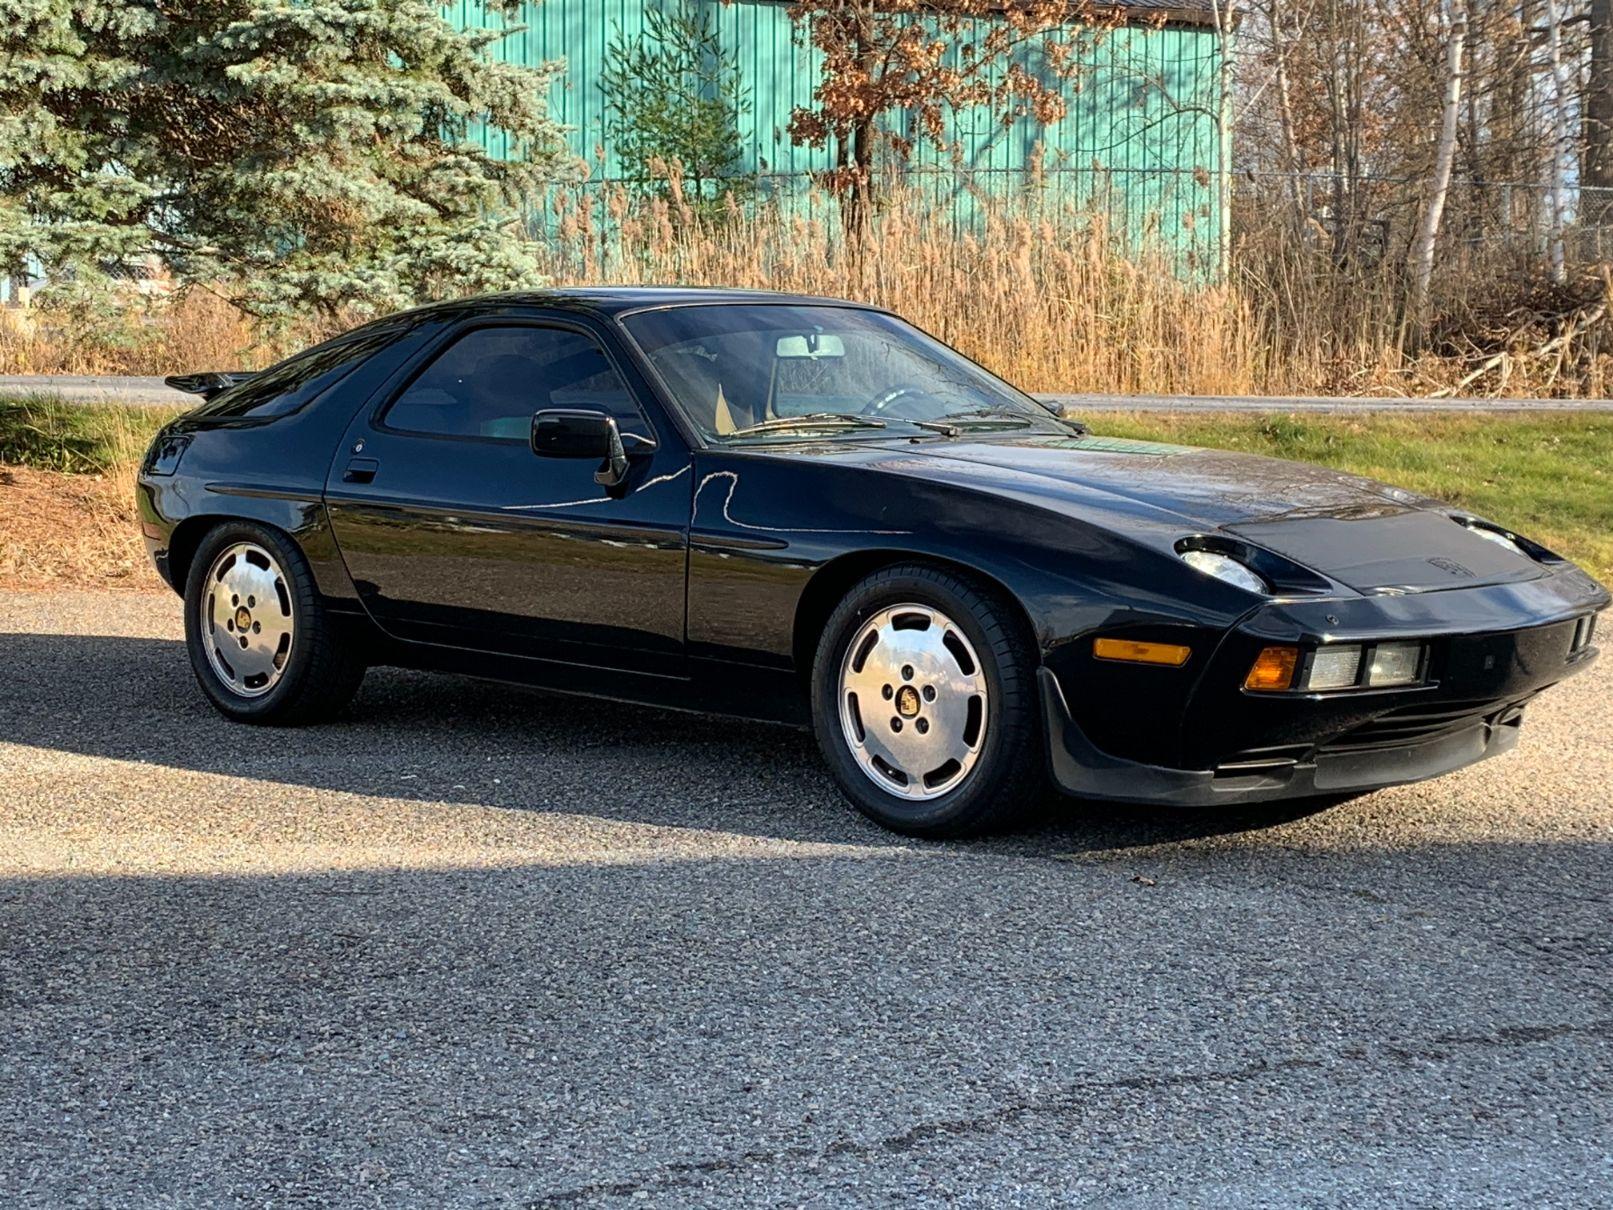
1009,775
322,667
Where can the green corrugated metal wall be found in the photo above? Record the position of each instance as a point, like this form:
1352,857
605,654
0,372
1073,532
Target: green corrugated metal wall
1139,138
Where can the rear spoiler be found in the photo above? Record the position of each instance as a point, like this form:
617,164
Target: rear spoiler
207,385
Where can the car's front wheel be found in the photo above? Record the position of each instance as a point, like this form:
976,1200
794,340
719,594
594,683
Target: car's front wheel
923,699
261,643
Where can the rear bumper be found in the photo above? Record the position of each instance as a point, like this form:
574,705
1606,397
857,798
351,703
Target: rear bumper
1080,768
155,527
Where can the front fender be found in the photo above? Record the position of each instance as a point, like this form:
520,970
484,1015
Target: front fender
763,529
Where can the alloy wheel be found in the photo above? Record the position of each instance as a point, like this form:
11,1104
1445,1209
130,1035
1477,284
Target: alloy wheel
247,621
913,701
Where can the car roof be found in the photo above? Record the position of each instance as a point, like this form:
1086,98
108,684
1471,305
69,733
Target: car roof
616,300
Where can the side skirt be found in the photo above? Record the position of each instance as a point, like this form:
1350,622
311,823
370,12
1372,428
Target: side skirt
714,687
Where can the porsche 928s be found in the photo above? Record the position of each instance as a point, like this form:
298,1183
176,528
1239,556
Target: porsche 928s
808,511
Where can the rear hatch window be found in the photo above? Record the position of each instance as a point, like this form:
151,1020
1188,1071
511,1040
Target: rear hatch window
299,380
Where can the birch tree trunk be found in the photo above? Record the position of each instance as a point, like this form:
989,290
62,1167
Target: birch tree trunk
1562,149
1276,18
1225,15
1422,253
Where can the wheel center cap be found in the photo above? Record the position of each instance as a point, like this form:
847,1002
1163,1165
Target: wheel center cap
907,701
243,619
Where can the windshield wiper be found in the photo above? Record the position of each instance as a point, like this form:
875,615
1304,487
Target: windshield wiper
812,420
982,419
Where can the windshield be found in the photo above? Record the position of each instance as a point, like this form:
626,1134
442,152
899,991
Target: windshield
778,371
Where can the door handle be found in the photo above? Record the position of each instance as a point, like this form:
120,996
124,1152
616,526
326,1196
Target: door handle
361,470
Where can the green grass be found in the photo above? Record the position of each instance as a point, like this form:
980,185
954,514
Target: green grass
42,432
1548,476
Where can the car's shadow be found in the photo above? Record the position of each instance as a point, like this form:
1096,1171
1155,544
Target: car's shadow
450,739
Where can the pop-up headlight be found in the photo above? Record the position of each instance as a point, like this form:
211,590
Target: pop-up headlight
1225,567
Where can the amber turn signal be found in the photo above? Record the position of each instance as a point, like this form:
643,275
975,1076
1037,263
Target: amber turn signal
1273,670
1169,654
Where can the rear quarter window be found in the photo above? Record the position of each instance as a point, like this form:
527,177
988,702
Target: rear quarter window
299,380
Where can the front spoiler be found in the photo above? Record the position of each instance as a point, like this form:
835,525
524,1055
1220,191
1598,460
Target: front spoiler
1083,770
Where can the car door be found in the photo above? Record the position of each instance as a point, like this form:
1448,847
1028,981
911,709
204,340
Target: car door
456,533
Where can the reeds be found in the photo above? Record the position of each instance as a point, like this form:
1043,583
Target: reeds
1060,299
128,331
1051,296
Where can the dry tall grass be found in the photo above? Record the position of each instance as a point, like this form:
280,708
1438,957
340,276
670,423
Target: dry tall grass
138,334
1057,299
1052,298
1052,304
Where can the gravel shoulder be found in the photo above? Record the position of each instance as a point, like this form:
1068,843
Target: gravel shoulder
472,944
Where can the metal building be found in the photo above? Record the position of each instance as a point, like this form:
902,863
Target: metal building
1141,139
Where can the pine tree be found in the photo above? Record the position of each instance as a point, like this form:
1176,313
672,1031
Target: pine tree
299,154
673,95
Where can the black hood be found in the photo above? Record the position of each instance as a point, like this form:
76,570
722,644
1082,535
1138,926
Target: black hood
1204,488
1366,535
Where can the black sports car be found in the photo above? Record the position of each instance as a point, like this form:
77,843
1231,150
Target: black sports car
806,510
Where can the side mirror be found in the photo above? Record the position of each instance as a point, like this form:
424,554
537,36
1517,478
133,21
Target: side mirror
584,433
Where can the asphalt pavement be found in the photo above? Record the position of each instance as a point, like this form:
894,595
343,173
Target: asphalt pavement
472,945
151,391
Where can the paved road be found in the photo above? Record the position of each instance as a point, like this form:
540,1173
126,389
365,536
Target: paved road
473,945
135,390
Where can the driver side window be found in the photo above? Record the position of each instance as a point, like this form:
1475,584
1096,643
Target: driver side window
489,382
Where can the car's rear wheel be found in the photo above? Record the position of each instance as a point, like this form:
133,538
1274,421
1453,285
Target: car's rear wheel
924,704
262,645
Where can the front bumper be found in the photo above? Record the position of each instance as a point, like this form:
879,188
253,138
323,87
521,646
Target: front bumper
1080,768
1223,745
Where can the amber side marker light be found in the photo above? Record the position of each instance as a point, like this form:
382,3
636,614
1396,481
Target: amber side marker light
1169,654
1273,670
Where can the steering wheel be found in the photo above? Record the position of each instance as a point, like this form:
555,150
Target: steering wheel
882,402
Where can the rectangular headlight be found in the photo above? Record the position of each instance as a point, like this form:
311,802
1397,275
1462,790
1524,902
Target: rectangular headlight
1395,664
1333,667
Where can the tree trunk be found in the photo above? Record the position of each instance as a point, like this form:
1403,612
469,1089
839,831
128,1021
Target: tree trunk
1422,252
1281,35
1562,148
1226,80
858,208
1598,170
1337,125
862,159
1477,63
1291,170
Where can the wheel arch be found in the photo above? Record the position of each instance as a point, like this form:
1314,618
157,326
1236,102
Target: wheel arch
185,541
191,532
830,583
299,523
